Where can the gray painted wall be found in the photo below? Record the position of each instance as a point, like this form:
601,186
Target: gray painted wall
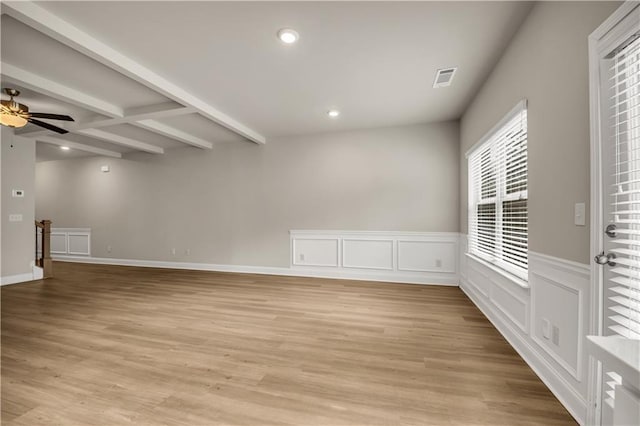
547,63
18,238
236,203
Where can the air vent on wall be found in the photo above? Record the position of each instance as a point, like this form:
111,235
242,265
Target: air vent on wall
444,77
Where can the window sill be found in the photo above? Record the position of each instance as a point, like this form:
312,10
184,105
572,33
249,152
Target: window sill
512,278
619,354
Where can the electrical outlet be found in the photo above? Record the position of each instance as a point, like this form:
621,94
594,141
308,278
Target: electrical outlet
108,249
187,252
556,336
301,257
546,328
173,251
438,263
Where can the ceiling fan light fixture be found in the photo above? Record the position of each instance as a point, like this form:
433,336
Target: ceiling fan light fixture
11,120
14,114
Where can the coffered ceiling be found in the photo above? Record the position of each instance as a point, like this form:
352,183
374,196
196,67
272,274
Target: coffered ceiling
152,76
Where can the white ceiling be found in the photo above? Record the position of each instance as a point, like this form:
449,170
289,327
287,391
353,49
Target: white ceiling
374,61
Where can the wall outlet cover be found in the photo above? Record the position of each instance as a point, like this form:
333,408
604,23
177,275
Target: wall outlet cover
556,336
546,328
579,213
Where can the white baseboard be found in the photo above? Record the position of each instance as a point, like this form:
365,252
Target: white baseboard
38,273
558,292
384,276
392,256
15,279
572,400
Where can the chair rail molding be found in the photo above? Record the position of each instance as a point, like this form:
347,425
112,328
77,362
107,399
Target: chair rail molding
69,242
412,257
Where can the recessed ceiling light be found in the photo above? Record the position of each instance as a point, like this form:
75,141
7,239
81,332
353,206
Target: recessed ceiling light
65,148
333,113
288,36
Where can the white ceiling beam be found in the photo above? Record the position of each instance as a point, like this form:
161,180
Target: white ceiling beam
78,146
173,133
140,117
120,140
164,110
46,22
37,83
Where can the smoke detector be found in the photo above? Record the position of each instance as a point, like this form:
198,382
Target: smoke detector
444,77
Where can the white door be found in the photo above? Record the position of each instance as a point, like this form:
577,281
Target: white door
619,223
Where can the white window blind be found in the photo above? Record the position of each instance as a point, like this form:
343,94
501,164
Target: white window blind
623,288
498,219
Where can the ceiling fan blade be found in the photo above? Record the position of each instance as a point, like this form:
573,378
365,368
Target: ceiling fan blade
47,126
51,116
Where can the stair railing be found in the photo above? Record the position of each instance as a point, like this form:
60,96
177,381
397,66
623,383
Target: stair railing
43,247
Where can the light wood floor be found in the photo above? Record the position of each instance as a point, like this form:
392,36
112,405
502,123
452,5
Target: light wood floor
106,345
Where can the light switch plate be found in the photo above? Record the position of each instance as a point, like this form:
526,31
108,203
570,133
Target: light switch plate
579,213
15,218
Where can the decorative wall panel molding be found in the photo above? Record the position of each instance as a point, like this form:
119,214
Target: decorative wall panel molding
69,241
415,257
545,322
428,258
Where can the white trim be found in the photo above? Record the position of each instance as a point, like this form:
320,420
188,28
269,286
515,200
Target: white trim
38,272
428,279
78,146
47,87
398,242
373,233
388,262
173,133
16,279
599,40
566,394
295,261
120,140
382,268
512,310
576,371
497,269
520,106
568,266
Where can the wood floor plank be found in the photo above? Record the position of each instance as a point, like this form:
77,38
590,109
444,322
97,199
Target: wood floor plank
109,345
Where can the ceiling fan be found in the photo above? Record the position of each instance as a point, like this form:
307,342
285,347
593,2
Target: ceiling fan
14,114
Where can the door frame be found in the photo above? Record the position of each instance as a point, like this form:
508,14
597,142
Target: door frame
611,33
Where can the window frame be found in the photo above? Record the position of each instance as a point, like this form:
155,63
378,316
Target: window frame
495,259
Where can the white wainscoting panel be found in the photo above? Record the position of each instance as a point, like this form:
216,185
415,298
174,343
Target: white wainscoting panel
316,252
58,243
414,257
427,256
68,241
558,293
367,253
79,244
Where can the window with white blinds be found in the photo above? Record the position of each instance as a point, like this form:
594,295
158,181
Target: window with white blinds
623,288
498,219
